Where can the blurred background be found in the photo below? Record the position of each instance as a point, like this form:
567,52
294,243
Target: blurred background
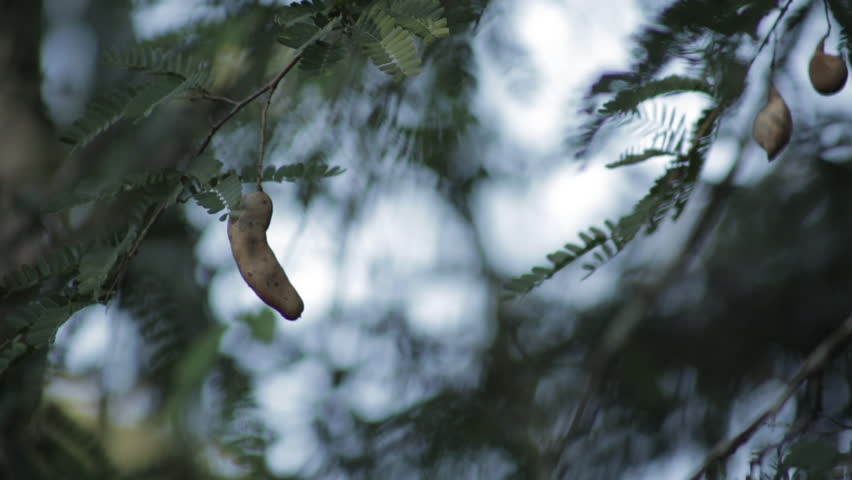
407,361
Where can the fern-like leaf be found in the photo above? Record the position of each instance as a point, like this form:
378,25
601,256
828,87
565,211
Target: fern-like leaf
628,100
97,265
211,201
292,173
230,188
154,312
151,95
153,182
100,115
631,158
56,263
424,18
39,320
224,193
320,57
169,76
10,351
298,11
297,35
204,168
156,61
671,190
604,246
390,47
669,194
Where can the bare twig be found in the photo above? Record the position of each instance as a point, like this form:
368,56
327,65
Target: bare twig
263,115
771,30
815,363
271,85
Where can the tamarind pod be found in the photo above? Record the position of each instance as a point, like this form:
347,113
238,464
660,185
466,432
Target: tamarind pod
256,260
827,72
773,125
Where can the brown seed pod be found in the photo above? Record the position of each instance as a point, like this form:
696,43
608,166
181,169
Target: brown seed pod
828,72
773,124
255,259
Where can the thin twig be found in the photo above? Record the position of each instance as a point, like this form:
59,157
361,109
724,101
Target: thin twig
272,84
815,363
771,30
263,115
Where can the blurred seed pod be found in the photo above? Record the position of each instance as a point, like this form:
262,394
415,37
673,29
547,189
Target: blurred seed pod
828,72
773,125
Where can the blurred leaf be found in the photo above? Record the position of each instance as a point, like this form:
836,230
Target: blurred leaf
262,325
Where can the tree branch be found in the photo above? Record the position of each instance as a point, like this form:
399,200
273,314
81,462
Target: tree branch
629,317
271,85
815,363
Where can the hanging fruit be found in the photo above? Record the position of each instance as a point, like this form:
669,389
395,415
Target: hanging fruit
255,259
773,124
828,72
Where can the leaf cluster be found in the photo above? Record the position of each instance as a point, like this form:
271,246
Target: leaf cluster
391,33
164,76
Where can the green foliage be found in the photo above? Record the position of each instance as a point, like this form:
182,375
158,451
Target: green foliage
424,18
167,76
603,246
632,158
163,332
261,324
320,57
173,74
155,61
76,452
670,191
298,35
628,99
100,114
37,321
152,183
292,172
56,263
98,263
390,46
298,11
193,367
10,351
